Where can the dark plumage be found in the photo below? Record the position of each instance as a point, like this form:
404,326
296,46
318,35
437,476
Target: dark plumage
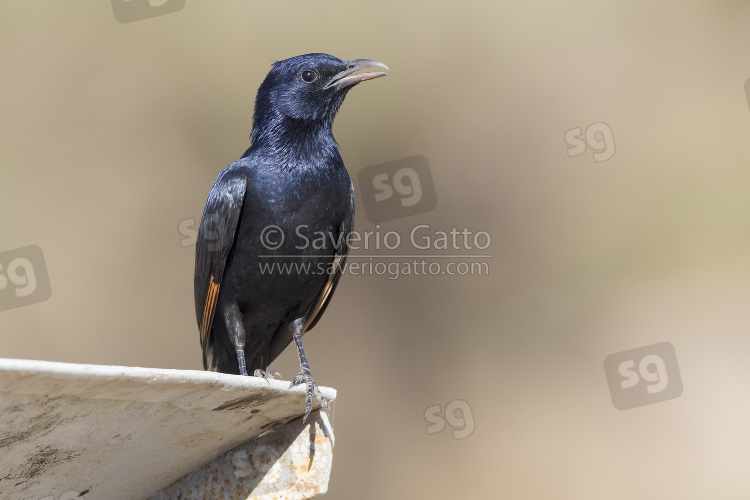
292,178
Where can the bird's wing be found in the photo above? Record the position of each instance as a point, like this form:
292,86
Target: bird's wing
216,237
323,298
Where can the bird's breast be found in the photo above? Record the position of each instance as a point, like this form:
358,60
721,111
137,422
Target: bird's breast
288,233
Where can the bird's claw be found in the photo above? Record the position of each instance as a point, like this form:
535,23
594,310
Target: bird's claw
266,375
304,376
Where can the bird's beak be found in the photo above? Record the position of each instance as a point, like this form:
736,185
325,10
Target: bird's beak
347,78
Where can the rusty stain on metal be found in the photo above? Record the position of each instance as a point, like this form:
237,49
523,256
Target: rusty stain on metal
113,432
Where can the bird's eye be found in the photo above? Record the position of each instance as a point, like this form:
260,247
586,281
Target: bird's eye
309,76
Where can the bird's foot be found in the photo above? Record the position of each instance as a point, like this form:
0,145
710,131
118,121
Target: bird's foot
304,376
266,375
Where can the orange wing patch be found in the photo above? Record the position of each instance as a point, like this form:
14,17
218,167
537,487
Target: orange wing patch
208,310
323,296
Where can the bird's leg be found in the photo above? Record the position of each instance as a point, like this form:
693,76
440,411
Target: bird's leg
237,334
304,372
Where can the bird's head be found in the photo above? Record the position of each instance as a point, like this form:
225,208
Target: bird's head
305,92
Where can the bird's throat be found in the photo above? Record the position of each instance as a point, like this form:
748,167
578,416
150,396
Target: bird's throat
294,142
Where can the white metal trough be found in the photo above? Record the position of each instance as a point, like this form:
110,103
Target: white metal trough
113,432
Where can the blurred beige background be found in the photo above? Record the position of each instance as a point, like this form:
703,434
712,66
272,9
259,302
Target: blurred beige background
111,134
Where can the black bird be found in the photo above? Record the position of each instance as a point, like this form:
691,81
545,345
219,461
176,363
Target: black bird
286,204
